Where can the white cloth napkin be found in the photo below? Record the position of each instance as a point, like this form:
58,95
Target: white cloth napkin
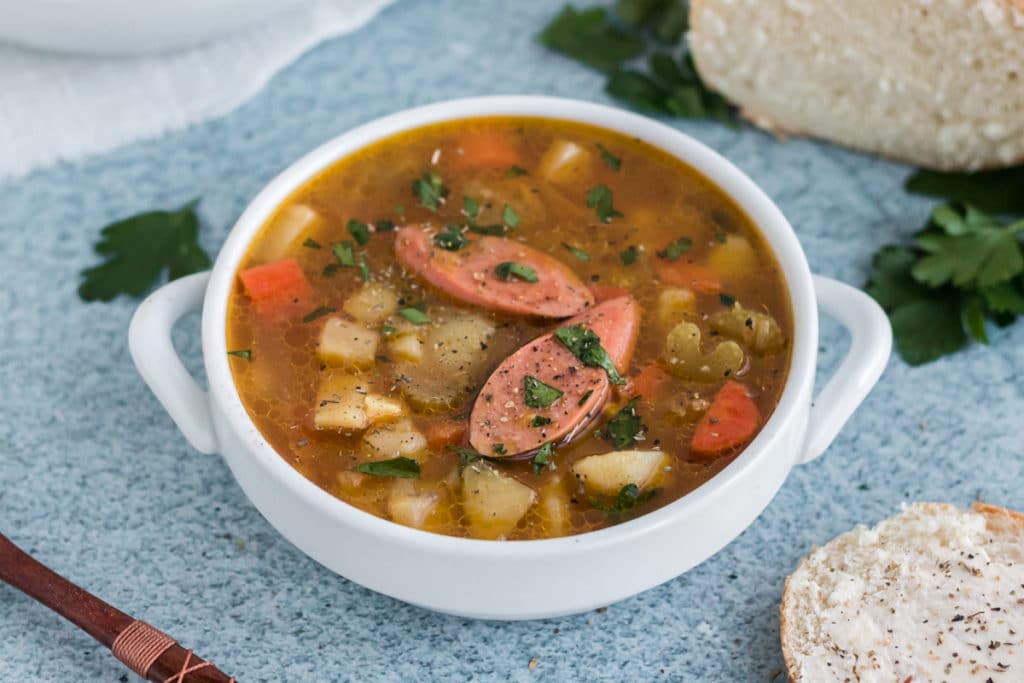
59,107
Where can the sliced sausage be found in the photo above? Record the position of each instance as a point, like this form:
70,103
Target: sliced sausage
500,414
469,274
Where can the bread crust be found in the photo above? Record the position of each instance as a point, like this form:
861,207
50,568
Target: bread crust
998,520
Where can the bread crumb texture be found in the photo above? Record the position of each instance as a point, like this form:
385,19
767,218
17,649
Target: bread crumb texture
938,83
932,594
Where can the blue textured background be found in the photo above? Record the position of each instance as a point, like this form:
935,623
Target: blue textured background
97,482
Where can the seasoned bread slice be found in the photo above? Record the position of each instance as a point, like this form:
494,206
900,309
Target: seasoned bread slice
932,594
937,83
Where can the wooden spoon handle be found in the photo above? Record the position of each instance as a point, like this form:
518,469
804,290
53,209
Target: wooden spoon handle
153,655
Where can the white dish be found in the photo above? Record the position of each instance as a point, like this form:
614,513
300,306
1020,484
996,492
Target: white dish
520,579
128,26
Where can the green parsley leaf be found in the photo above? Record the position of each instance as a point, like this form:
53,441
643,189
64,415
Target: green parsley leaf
587,36
385,225
972,313
510,269
509,217
624,426
242,353
430,190
318,313
628,497
675,249
451,238
1006,297
467,455
311,243
726,299
492,230
498,448
999,191
542,457
401,467
387,330
614,162
364,269
345,253
140,248
414,315
629,255
968,248
539,421
584,398
599,198
470,207
577,252
515,172
586,346
927,329
360,231
536,394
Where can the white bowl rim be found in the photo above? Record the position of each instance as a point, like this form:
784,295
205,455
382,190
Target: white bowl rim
775,228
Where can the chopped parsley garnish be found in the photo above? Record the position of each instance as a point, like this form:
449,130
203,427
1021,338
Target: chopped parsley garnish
536,394
577,252
140,248
586,346
401,467
385,225
590,37
542,457
414,315
509,217
585,397
726,299
471,208
629,255
364,269
430,190
498,448
540,421
624,426
451,238
628,497
515,172
510,269
675,249
599,198
330,269
241,353
614,162
318,313
963,268
492,230
1000,191
311,243
467,455
388,330
360,231
345,253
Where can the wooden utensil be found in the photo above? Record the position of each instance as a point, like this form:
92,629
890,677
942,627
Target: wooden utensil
148,652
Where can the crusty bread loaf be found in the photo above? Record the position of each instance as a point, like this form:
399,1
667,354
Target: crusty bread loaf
937,83
932,594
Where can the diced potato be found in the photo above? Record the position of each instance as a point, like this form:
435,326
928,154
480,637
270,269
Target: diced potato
756,329
674,303
410,503
607,473
392,440
372,303
406,347
457,344
341,402
380,408
566,162
733,259
494,502
554,505
687,360
291,224
347,344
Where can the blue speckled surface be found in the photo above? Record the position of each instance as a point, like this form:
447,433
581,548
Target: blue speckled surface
96,481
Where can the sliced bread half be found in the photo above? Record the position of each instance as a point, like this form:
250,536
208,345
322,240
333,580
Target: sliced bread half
932,594
937,83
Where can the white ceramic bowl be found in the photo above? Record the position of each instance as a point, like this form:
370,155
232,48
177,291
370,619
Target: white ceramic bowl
520,579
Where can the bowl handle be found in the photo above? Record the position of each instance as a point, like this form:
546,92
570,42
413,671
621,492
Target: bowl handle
149,340
870,345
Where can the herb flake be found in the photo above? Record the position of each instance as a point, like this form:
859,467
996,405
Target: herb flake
599,198
414,315
537,394
401,467
510,269
586,346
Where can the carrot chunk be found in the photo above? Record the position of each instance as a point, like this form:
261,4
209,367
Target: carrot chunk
444,432
729,423
276,288
649,384
486,150
690,275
